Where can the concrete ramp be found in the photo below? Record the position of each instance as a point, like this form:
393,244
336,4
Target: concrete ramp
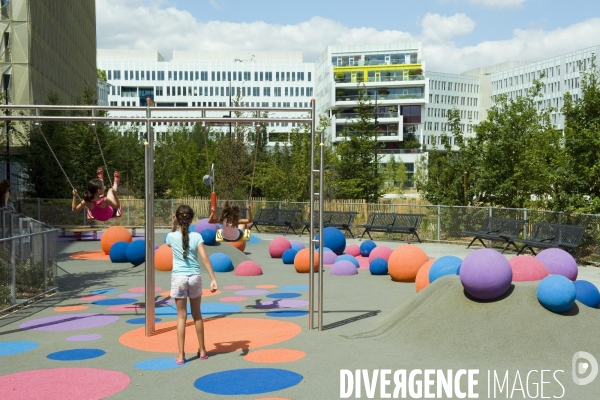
236,256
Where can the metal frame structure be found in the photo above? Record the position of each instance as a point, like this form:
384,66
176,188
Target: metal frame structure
147,116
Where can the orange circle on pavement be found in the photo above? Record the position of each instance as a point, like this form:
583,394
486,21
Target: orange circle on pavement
266,286
222,335
90,255
205,293
70,308
270,356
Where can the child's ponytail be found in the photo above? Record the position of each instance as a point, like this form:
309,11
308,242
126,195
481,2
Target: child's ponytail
184,215
93,186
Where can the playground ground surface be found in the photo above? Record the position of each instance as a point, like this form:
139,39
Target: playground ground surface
87,341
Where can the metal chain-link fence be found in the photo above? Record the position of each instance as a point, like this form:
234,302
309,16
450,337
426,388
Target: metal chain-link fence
440,224
27,260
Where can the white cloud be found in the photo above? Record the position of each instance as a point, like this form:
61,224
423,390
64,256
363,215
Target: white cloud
136,25
498,3
438,28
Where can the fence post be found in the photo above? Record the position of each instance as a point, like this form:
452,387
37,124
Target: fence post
128,212
13,273
173,211
491,212
439,221
45,261
560,214
525,230
39,215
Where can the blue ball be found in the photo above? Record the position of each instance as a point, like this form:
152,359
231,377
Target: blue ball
379,266
587,293
297,247
348,257
556,293
136,252
118,252
446,265
221,262
366,247
209,236
334,239
288,256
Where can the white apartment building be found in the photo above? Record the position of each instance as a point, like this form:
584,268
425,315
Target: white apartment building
392,75
209,79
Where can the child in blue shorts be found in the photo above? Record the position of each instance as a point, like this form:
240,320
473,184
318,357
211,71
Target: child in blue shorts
186,280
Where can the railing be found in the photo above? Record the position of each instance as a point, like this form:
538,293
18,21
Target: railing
397,78
399,151
390,114
27,260
360,63
381,97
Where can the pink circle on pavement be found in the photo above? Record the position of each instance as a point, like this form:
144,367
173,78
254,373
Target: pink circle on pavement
142,289
131,307
251,292
63,383
92,298
282,304
233,299
234,287
84,338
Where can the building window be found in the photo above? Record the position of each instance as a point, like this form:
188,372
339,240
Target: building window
247,76
277,91
277,76
309,76
267,91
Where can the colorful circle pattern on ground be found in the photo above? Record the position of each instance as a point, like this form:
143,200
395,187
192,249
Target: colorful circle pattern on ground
247,381
283,295
262,305
16,347
69,322
233,299
104,291
251,292
142,289
76,354
133,307
293,288
286,313
92,298
272,356
114,302
70,308
158,364
84,338
222,335
140,321
92,383
234,287
207,309
266,286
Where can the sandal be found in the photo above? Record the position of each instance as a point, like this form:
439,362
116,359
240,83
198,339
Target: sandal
100,173
179,362
116,178
204,357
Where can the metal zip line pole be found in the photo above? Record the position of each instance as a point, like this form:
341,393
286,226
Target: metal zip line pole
149,231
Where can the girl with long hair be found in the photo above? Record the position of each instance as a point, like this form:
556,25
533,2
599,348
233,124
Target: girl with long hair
101,207
186,281
233,225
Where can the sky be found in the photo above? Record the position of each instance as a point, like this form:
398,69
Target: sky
456,35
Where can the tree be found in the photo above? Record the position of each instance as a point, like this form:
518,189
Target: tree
582,141
518,149
356,175
395,176
102,75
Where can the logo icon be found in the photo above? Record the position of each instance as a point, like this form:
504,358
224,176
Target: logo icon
581,367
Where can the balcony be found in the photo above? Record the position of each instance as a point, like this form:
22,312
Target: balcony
345,62
390,114
390,96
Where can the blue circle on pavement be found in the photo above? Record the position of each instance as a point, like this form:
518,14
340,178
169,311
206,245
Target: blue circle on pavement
293,288
140,321
287,313
104,291
76,354
247,381
254,239
283,295
158,364
210,309
16,347
114,302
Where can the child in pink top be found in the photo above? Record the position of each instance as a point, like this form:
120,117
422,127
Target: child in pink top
101,207
233,226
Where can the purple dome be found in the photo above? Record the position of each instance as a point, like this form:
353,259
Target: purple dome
485,274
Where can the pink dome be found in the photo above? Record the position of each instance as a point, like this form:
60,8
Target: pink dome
380,252
278,246
248,268
353,250
527,268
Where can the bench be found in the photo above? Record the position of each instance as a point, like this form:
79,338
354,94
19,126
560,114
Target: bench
498,229
276,217
78,232
547,235
393,223
335,219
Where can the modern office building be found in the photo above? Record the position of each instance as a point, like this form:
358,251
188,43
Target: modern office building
47,47
209,79
392,77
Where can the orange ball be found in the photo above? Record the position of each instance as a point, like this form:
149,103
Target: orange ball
405,261
163,258
302,261
422,279
113,235
240,245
